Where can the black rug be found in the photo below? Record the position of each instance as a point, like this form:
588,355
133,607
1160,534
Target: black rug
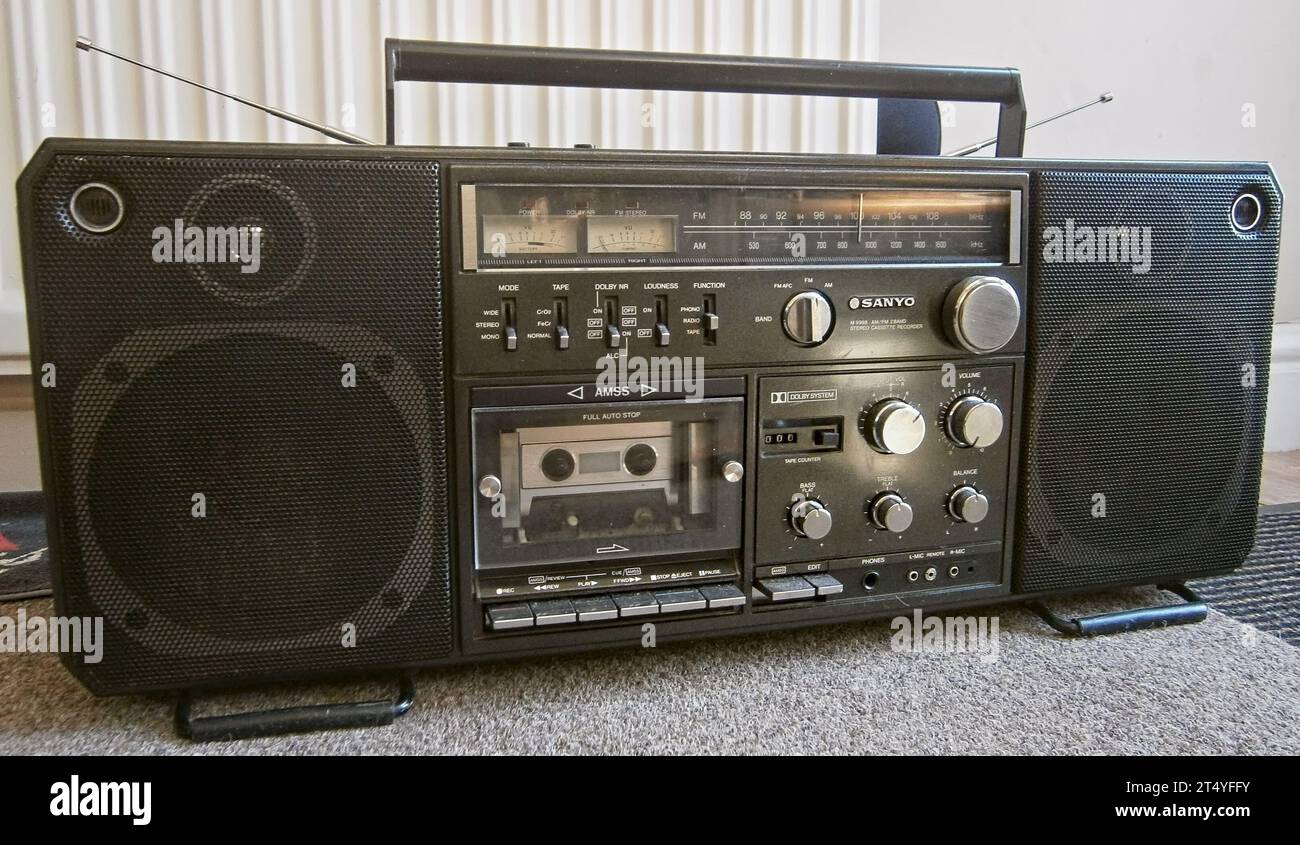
24,568
1265,592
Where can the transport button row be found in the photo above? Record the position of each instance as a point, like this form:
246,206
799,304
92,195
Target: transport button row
603,608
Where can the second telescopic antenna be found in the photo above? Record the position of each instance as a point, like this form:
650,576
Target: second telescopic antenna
328,131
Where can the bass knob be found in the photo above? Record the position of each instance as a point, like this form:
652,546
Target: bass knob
810,518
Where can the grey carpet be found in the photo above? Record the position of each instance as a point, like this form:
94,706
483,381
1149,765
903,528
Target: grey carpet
1265,592
1218,687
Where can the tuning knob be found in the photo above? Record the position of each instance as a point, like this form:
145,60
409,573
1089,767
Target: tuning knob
981,313
890,512
972,421
808,318
895,427
966,504
810,518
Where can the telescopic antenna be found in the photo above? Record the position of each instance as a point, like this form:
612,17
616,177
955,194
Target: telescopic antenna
328,131
965,151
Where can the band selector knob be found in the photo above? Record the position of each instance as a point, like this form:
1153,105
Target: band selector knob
808,318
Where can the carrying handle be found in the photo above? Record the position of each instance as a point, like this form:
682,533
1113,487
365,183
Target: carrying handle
445,61
1192,611
319,717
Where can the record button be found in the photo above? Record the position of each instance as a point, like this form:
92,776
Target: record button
504,617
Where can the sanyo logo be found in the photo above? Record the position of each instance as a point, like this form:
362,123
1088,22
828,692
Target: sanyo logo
857,302
75,798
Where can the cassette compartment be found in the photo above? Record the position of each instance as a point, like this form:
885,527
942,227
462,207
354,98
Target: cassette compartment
596,482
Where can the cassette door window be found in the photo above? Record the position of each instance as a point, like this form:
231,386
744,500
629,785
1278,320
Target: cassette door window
568,483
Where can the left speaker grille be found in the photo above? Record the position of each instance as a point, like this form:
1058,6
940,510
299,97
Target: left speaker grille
248,469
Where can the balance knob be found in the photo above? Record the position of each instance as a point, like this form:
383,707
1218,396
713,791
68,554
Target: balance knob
895,427
981,313
966,504
808,318
810,518
890,512
974,422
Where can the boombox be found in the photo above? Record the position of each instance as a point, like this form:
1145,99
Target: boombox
312,410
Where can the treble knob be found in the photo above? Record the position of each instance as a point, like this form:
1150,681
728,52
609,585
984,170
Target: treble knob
889,512
810,518
973,421
895,427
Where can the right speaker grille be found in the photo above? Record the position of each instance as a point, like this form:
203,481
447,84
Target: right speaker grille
1147,376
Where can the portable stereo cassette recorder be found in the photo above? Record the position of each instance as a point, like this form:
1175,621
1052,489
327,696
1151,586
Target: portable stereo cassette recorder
482,403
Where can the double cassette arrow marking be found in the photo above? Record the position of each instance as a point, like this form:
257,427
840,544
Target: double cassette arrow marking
580,391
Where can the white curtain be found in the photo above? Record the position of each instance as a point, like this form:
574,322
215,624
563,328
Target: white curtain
324,60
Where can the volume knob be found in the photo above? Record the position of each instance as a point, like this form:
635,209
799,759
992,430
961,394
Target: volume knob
974,422
808,318
891,513
981,313
895,427
810,518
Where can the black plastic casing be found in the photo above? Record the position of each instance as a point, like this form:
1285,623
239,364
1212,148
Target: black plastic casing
1189,197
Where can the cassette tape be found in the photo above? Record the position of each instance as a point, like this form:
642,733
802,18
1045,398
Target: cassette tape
584,482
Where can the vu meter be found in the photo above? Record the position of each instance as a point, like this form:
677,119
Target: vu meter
524,234
647,234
